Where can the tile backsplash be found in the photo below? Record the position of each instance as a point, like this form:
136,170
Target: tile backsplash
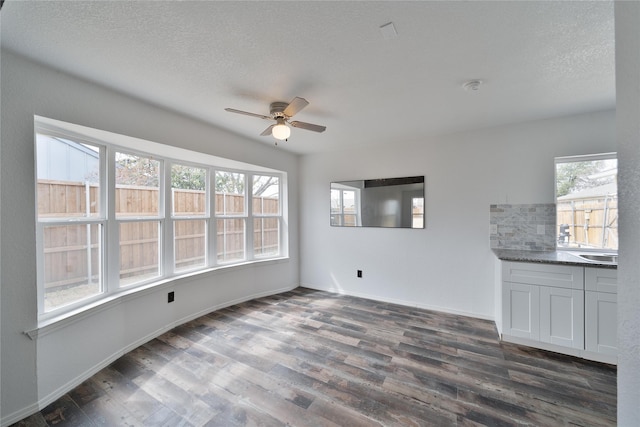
523,227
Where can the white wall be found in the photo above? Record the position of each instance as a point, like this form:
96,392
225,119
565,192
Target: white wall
628,128
36,372
447,266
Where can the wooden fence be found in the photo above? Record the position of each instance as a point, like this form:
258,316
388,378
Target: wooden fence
72,251
590,223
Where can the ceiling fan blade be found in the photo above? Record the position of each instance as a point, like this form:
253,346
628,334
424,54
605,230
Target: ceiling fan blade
267,131
294,106
308,126
260,116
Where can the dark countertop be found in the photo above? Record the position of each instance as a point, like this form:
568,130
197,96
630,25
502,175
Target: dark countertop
548,257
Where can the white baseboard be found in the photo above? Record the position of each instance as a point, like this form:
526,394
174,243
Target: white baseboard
13,418
44,401
400,302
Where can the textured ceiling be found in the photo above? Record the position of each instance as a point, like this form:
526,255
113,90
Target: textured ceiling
536,60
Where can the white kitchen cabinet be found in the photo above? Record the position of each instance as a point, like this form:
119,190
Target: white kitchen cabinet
564,308
601,311
562,316
521,310
544,302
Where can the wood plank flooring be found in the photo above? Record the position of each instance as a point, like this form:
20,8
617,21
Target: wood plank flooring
311,358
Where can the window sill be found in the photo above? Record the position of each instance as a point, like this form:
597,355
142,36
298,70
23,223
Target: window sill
53,324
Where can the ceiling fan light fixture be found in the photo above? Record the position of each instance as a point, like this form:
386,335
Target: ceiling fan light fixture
281,131
281,112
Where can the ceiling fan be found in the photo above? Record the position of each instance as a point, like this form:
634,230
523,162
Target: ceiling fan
281,112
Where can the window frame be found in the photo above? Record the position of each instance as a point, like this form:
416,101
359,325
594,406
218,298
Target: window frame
244,215
341,214
100,219
262,216
576,159
168,156
421,214
130,219
175,218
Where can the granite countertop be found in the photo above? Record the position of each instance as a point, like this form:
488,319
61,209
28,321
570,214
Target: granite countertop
549,257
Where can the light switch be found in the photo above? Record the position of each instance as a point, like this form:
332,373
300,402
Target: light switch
493,229
541,229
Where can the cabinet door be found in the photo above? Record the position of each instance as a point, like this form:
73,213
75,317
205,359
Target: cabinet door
562,316
601,322
521,310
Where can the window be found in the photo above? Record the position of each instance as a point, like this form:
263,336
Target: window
137,209
190,216
344,207
70,221
587,202
111,219
417,212
266,215
231,217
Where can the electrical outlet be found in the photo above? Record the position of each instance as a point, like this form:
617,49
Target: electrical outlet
541,229
360,274
493,229
171,297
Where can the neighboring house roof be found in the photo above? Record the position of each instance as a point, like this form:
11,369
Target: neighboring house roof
590,193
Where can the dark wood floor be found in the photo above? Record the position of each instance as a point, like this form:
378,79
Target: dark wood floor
309,358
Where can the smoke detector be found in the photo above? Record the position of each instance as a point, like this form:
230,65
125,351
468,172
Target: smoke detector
388,31
472,85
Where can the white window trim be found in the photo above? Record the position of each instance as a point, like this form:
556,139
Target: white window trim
168,155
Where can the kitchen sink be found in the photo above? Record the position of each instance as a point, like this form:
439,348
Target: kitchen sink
608,258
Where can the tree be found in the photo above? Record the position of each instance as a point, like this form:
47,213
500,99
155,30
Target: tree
135,170
188,177
233,183
263,183
229,182
576,176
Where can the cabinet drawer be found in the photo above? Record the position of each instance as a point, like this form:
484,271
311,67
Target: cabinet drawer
601,280
557,276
